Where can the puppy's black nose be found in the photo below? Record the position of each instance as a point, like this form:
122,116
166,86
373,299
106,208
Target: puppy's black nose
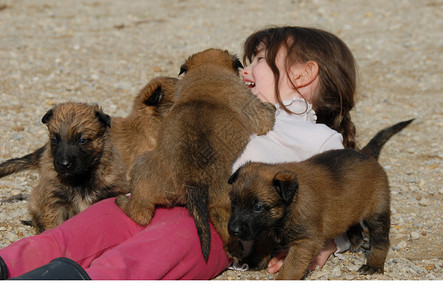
64,165
234,230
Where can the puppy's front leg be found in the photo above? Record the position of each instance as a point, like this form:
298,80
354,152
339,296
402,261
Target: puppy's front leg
261,254
300,255
51,217
46,210
138,207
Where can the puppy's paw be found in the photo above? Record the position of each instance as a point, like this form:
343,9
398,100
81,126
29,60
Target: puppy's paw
267,118
369,270
140,215
270,108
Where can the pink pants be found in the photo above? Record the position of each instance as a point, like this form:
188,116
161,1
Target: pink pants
109,245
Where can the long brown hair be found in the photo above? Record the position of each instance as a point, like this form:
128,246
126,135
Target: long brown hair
337,71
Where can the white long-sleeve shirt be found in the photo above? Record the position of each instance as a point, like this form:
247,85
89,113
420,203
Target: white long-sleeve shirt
295,137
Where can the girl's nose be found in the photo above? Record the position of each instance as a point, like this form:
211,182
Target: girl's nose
244,72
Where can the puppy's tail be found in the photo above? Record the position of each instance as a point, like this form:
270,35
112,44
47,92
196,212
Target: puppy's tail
197,199
374,146
29,161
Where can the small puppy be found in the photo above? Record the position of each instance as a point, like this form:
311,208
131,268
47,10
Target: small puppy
138,132
207,128
301,205
78,167
132,135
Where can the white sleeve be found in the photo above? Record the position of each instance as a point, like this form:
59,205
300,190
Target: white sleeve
290,140
333,143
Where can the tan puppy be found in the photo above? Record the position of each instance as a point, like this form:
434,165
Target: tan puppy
302,205
138,132
78,167
207,128
132,135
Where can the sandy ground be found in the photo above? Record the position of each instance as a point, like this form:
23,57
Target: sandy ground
105,51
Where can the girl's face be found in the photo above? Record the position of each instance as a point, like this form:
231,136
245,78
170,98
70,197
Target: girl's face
259,77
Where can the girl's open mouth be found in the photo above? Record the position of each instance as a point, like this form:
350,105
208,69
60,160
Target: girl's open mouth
249,84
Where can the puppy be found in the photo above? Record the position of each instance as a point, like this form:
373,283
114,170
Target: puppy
78,167
132,135
301,205
207,128
138,132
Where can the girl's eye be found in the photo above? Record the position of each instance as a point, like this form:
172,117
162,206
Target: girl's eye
260,58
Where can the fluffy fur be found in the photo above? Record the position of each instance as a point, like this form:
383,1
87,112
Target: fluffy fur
132,135
78,167
138,131
302,205
207,128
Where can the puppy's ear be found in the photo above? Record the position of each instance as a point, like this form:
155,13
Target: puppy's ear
47,117
183,69
155,97
104,118
237,64
234,176
286,184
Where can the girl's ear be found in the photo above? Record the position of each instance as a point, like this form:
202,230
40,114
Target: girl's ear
307,76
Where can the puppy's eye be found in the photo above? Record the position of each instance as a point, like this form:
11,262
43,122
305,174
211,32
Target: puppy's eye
82,141
258,208
54,140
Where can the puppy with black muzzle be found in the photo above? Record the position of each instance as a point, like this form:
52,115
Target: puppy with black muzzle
206,130
302,205
78,167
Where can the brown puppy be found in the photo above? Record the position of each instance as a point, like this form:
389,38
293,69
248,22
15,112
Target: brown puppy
207,128
138,132
78,167
302,205
132,135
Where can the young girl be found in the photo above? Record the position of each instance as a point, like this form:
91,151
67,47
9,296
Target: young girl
309,74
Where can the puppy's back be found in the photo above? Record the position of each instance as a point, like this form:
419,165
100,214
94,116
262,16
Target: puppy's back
341,185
